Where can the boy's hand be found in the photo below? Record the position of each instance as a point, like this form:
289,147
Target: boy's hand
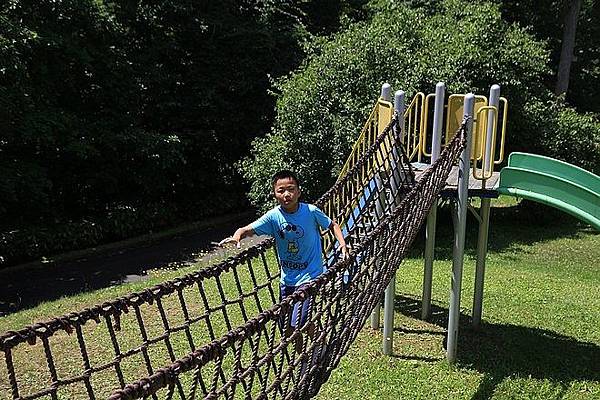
236,238
345,252
230,239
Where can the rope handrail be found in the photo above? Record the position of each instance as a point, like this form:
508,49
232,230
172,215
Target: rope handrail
122,305
254,353
67,322
213,351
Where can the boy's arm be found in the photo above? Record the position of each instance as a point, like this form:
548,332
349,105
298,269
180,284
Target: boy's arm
240,233
337,232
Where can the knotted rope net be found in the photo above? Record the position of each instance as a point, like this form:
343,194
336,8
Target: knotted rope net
221,332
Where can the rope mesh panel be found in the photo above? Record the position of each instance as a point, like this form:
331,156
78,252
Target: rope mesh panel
90,353
220,332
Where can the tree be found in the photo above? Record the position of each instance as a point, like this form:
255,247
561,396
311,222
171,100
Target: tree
130,115
323,104
568,44
541,20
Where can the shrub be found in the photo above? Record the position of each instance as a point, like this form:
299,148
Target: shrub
574,138
322,105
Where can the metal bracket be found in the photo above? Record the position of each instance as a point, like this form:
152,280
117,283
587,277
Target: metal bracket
474,212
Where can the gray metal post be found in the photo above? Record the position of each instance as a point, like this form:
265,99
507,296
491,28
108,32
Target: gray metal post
482,243
396,178
399,107
438,116
379,208
386,94
388,317
396,154
390,291
464,166
484,214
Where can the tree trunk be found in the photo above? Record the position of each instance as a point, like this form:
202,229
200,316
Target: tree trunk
568,44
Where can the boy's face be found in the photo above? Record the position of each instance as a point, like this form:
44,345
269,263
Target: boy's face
287,193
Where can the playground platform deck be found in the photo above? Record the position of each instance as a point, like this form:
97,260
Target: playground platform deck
476,188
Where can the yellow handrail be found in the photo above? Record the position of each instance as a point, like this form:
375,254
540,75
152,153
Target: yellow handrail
425,125
413,119
380,117
503,135
414,127
487,164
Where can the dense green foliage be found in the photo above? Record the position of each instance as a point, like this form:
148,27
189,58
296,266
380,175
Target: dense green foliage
467,45
544,19
104,101
133,113
563,133
121,117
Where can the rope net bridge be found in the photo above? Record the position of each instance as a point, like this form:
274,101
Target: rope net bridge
220,332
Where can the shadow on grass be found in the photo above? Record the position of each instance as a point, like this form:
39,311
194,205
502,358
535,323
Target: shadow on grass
502,350
524,224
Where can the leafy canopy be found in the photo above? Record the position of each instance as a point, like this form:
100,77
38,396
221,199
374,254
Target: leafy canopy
323,104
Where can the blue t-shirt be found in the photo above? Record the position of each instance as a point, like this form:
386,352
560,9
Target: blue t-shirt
298,241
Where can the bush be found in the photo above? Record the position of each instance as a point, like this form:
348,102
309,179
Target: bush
322,106
574,138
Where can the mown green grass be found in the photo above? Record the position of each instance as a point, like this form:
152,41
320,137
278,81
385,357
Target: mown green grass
64,305
540,337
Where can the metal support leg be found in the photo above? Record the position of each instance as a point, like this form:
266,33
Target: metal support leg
388,317
482,245
455,284
436,143
375,317
429,256
464,170
380,204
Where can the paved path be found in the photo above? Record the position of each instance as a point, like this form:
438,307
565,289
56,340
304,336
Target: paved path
25,286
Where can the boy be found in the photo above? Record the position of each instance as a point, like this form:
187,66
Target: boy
295,227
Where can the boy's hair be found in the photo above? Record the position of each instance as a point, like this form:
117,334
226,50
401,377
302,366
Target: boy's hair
284,174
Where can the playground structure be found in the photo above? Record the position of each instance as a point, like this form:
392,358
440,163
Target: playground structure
220,328
528,176
474,176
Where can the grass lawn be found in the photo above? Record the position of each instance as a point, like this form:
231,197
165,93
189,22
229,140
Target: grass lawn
540,337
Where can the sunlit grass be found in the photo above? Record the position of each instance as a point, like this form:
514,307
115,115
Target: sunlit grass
540,337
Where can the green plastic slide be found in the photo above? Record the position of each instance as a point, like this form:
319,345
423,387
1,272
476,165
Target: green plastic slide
555,183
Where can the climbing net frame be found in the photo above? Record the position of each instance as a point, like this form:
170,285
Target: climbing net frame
252,351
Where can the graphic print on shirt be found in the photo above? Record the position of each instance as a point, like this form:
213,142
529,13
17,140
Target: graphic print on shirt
292,234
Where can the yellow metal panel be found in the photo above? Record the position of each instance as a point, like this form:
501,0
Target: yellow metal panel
386,112
454,118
